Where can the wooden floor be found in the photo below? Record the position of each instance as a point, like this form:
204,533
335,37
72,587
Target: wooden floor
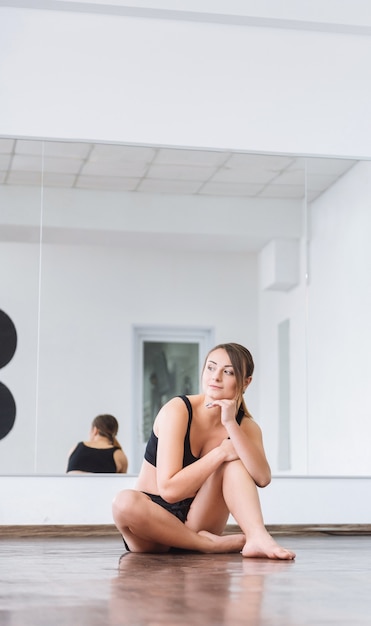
84,581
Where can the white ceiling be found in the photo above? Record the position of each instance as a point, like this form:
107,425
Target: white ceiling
147,169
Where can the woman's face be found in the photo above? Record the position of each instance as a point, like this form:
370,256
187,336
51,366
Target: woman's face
218,377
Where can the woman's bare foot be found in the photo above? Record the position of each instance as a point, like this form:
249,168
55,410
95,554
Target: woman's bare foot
261,545
223,543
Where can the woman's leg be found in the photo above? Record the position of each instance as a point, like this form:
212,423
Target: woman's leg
242,499
148,527
209,510
232,490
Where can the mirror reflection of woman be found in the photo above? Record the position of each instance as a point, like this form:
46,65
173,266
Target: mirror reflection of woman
203,462
102,453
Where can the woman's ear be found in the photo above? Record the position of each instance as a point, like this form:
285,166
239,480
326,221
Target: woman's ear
247,382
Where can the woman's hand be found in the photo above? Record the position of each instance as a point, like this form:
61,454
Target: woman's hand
228,449
227,410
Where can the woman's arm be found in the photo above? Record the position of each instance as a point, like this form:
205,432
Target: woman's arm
68,457
247,441
121,461
173,481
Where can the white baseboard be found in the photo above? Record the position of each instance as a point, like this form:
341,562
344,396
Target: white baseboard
76,499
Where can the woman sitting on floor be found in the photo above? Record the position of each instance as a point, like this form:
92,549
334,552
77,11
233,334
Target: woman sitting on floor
203,462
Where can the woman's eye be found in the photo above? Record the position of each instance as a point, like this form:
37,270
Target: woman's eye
229,372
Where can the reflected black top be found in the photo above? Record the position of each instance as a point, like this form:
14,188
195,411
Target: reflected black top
95,460
150,453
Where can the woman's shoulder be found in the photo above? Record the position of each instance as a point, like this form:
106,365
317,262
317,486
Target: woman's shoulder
177,407
250,425
183,401
77,446
90,445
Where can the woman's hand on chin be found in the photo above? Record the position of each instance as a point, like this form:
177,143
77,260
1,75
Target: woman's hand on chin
227,409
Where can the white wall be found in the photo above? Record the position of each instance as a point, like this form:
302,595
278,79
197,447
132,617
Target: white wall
19,279
339,334
186,83
330,427
276,306
49,500
240,87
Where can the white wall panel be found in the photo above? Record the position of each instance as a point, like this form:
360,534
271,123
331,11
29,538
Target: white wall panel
49,500
184,83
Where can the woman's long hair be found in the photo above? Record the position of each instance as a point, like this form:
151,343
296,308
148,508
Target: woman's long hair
107,426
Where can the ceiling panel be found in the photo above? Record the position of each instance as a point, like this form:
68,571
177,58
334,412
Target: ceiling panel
147,169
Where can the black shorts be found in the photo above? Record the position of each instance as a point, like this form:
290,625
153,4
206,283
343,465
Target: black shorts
179,509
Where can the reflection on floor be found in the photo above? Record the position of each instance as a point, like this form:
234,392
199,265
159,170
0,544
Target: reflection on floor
80,581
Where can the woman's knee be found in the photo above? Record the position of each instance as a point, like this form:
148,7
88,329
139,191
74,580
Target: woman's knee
234,469
126,505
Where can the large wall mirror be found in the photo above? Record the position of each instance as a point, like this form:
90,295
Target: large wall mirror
98,241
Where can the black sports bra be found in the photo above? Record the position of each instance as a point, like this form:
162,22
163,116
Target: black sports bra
150,453
95,460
